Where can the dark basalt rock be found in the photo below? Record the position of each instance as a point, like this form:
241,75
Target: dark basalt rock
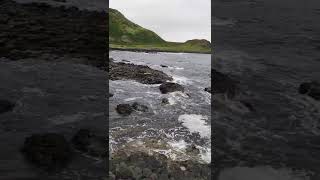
140,165
165,101
86,141
6,106
140,73
208,89
140,107
168,87
164,66
50,151
124,109
110,95
311,89
222,84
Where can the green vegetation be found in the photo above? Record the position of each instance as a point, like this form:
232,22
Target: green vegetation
124,34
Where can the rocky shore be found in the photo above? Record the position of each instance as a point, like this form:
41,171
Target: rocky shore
134,161
52,105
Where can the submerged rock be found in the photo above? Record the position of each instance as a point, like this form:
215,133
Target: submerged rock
222,84
87,142
6,106
140,73
124,109
165,101
164,66
140,107
50,151
311,89
168,87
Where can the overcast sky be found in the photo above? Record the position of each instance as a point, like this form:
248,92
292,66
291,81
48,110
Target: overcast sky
173,20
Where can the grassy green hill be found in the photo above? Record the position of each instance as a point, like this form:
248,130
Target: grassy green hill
124,34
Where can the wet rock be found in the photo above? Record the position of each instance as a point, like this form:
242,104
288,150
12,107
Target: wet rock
208,89
168,87
140,73
164,66
6,106
50,151
139,165
88,142
123,171
165,101
110,95
311,89
192,149
222,84
139,107
124,109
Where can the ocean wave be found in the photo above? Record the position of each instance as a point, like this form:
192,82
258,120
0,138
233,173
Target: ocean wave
196,123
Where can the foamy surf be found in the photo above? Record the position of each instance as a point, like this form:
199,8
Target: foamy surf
196,124
181,80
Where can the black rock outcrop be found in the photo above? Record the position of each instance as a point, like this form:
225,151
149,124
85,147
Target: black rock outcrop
140,73
168,87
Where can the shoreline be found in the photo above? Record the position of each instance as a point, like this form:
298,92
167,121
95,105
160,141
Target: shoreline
154,51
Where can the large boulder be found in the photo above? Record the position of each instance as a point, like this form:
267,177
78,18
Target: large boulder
88,142
168,87
222,84
6,106
124,109
311,89
140,73
50,151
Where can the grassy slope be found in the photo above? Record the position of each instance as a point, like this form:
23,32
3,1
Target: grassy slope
124,34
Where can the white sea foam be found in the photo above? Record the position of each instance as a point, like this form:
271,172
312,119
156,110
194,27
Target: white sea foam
196,123
205,154
180,145
181,80
171,101
132,99
175,67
